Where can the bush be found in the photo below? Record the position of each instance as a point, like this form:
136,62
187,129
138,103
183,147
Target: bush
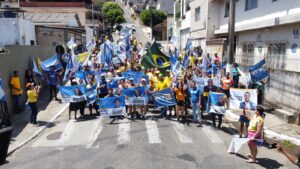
157,17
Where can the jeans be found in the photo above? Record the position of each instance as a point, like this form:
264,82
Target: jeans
213,118
163,112
16,102
34,112
236,79
53,88
196,111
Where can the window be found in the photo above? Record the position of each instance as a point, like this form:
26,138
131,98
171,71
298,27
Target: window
251,4
246,56
226,9
197,14
276,55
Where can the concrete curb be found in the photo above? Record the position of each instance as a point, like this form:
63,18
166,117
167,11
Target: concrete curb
39,131
269,133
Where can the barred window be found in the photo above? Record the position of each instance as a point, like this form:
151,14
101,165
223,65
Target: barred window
248,48
277,55
277,50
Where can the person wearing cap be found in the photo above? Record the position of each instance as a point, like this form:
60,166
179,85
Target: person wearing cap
32,94
155,79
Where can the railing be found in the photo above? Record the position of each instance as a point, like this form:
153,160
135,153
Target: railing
52,4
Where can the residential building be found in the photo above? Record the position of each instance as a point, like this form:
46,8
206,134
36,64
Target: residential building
15,30
9,4
268,29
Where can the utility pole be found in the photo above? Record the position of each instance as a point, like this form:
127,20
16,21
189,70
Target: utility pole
93,19
151,19
231,28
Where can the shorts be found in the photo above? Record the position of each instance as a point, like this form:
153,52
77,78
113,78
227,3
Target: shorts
250,135
227,93
180,103
244,119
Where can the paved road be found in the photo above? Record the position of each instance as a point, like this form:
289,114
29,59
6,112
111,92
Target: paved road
140,144
141,36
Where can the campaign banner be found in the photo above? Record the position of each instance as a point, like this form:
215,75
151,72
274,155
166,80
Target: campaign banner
72,94
53,61
137,76
114,83
91,94
243,99
137,101
176,68
112,106
202,81
257,72
130,92
164,98
216,103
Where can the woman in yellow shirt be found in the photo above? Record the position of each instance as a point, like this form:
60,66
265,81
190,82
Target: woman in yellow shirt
32,94
180,98
255,131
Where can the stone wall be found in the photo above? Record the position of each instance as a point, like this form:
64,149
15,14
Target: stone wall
19,58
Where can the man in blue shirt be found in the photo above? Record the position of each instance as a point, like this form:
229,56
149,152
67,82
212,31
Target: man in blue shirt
52,79
195,95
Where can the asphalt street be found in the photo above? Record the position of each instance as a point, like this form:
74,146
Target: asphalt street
139,144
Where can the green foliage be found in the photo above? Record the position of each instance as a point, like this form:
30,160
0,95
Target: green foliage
178,15
113,13
98,4
288,143
157,16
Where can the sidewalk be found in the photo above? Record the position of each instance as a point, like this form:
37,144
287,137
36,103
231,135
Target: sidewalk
23,131
275,130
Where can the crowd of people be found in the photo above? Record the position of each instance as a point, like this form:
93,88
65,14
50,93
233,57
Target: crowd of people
186,92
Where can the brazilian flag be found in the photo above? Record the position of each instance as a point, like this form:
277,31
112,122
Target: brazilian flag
155,58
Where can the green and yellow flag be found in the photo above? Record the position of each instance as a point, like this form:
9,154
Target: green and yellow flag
155,58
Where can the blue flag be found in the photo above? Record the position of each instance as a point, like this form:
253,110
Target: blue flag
164,98
91,94
257,71
189,45
185,62
106,54
114,84
68,70
53,61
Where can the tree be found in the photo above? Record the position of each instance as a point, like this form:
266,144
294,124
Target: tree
113,13
98,4
158,16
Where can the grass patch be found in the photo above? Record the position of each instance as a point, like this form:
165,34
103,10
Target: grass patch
288,143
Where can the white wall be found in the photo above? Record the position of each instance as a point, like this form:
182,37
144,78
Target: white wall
266,10
275,34
16,31
198,28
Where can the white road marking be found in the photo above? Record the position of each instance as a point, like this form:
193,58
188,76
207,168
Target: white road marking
214,138
124,132
97,128
152,131
181,133
65,136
